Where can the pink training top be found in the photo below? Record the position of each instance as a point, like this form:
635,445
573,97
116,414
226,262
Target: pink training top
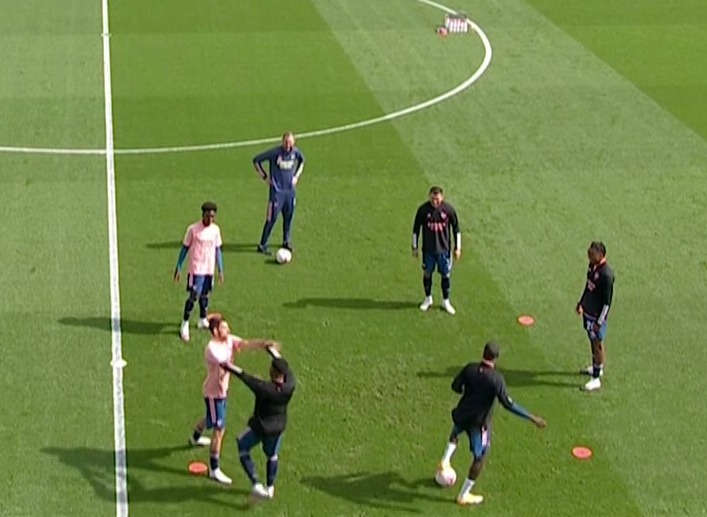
202,242
215,353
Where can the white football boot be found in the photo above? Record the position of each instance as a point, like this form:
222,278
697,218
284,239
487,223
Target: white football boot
203,441
447,306
426,304
592,385
260,492
219,476
184,331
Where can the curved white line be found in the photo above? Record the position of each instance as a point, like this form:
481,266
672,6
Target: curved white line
488,54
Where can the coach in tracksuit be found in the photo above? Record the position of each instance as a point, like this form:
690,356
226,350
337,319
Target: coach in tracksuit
286,163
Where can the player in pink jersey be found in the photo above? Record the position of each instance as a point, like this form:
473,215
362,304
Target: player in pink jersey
202,243
220,349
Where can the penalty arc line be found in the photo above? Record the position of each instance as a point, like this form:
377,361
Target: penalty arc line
117,362
488,54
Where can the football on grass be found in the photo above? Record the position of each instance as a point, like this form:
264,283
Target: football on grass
446,477
283,256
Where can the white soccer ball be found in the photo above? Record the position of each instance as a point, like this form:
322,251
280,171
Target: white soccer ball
283,256
446,477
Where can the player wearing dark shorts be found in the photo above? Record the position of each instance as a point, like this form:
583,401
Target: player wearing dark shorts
480,385
438,219
286,164
202,243
269,420
594,307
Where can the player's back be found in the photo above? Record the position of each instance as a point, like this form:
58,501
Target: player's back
479,385
270,413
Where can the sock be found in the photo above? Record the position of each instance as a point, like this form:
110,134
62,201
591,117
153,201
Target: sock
196,435
213,460
466,488
203,305
272,470
446,282
188,306
249,467
427,283
596,370
449,452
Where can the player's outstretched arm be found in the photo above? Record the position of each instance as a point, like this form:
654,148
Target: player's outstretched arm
273,348
256,344
517,409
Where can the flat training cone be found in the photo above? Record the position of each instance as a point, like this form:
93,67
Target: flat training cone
198,468
582,453
526,320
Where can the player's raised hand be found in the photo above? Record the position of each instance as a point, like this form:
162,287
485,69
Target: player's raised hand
539,422
229,367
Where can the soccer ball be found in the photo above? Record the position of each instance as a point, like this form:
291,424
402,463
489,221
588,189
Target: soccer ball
446,477
283,256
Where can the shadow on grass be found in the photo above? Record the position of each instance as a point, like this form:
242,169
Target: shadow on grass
97,468
385,490
517,378
127,326
228,247
351,303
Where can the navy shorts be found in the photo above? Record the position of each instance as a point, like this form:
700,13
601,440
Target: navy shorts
201,285
588,326
284,202
249,439
479,439
215,413
440,261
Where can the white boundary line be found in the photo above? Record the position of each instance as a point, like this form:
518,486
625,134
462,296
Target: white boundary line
117,363
488,53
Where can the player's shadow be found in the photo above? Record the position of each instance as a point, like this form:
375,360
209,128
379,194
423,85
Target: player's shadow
513,378
385,490
174,485
127,326
351,303
228,247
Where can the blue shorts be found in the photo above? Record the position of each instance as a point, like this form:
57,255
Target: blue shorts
479,439
249,439
201,285
441,261
215,413
594,336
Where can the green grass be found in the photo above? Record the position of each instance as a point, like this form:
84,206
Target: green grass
588,124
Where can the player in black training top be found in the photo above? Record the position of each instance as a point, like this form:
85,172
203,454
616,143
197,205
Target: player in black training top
594,307
269,419
480,385
438,219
